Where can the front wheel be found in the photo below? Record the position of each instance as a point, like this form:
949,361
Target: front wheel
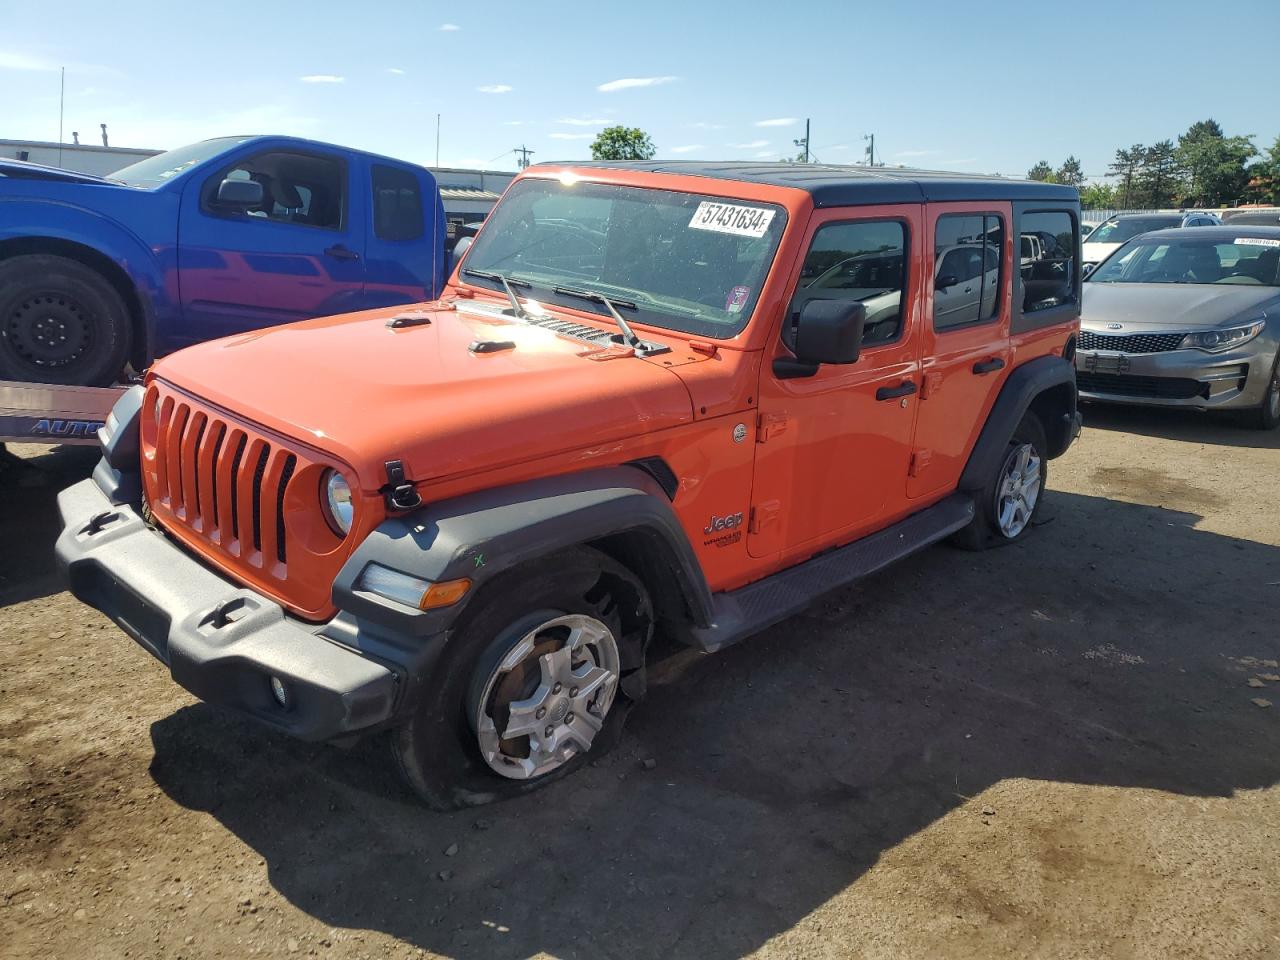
538,676
1012,497
1267,416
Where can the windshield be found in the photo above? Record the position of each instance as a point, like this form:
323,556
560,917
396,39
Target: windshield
1118,231
165,166
1248,261
683,261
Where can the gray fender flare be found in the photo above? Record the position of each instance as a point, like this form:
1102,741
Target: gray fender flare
1020,391
482,535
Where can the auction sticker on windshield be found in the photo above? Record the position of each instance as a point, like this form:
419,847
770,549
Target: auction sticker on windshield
731,218
1257,241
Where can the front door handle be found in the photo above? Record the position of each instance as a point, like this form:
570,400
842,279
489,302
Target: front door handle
988,366
904,389
339,252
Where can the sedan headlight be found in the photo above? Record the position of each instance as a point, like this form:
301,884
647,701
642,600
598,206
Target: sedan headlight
1216,341
337,501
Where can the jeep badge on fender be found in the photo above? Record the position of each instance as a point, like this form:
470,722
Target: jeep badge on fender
356,527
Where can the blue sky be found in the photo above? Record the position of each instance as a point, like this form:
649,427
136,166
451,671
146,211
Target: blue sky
979,86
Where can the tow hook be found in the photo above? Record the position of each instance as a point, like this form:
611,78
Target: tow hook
400,493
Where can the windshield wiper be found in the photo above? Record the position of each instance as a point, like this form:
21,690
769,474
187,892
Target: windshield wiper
507,284
612,304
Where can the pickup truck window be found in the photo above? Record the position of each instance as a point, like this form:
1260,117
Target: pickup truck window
156,170
686,262
861,261
966,272
397,204
299,188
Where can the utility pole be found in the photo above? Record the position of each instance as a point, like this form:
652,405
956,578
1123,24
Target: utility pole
524,155
805,142
871,149
437,139
62,102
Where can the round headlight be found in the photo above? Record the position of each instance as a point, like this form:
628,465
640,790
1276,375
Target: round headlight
337,499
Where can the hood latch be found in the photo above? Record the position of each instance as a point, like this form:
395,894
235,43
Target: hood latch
400,493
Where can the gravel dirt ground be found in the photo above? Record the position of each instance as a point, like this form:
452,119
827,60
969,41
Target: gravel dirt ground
1061,749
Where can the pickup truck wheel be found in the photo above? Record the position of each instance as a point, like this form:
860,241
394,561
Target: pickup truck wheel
535,680
60,322
1011,500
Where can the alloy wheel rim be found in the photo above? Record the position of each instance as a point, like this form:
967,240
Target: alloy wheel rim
548,698
1018,490
1274,399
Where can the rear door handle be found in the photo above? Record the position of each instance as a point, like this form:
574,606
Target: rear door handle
988,366
904,389
339,252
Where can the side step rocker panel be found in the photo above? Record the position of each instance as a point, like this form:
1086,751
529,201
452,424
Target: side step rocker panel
750,609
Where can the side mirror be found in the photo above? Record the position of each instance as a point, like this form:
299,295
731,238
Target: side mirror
1088,269
945,282
240,194
827,331
459,251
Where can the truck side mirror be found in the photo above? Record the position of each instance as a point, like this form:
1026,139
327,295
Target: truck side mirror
945,282
240,194
827,331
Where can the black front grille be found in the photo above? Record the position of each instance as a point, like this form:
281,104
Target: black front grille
1160,388
1130,343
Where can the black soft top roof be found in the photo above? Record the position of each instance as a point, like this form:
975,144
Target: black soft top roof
841,186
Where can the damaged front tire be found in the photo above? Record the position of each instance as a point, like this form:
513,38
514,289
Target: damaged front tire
539,675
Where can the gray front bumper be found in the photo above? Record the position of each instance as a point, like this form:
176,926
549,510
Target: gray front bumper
1228,381
221,642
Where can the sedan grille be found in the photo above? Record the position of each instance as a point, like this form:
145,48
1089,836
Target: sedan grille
1130,343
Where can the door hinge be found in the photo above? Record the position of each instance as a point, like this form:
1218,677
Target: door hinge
931,384
919,462
769,425
763,514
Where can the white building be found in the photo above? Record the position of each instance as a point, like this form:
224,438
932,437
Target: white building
82,158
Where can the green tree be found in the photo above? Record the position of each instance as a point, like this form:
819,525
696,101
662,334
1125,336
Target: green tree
1097,196
1070,172
1214,164
1126,166
1158,181
622,143
1264,176
1042,172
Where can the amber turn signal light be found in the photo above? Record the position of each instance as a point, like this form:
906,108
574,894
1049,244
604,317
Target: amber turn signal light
444,594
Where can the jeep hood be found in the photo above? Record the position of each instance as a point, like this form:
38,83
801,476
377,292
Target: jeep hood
1172,306
364,392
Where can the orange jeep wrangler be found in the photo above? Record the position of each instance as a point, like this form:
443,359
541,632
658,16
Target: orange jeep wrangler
678,397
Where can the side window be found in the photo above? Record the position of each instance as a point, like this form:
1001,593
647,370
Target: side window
967,251
397,204
299,188
1048,276
863,261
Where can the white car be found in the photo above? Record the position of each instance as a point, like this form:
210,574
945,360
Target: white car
1110,234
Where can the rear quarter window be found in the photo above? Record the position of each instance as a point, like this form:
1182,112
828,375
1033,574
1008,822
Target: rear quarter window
397,204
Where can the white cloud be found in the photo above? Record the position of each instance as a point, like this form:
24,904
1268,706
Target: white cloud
517,123
688,148
322,78
24,61
763,154
395,71
449,27
749,145
627,83
571,136
581,122
778,122
916,153
703,125
496,88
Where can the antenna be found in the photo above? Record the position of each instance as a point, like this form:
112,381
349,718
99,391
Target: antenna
437,139
62,101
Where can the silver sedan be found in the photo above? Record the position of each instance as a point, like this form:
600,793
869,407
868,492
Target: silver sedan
1186,318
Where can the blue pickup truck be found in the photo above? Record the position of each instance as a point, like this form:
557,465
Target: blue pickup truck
102,275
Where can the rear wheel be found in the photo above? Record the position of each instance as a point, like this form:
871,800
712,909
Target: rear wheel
60,322
1009,503
538,676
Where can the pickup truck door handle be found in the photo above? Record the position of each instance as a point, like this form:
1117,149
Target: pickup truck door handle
988,366
904,389
339,252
